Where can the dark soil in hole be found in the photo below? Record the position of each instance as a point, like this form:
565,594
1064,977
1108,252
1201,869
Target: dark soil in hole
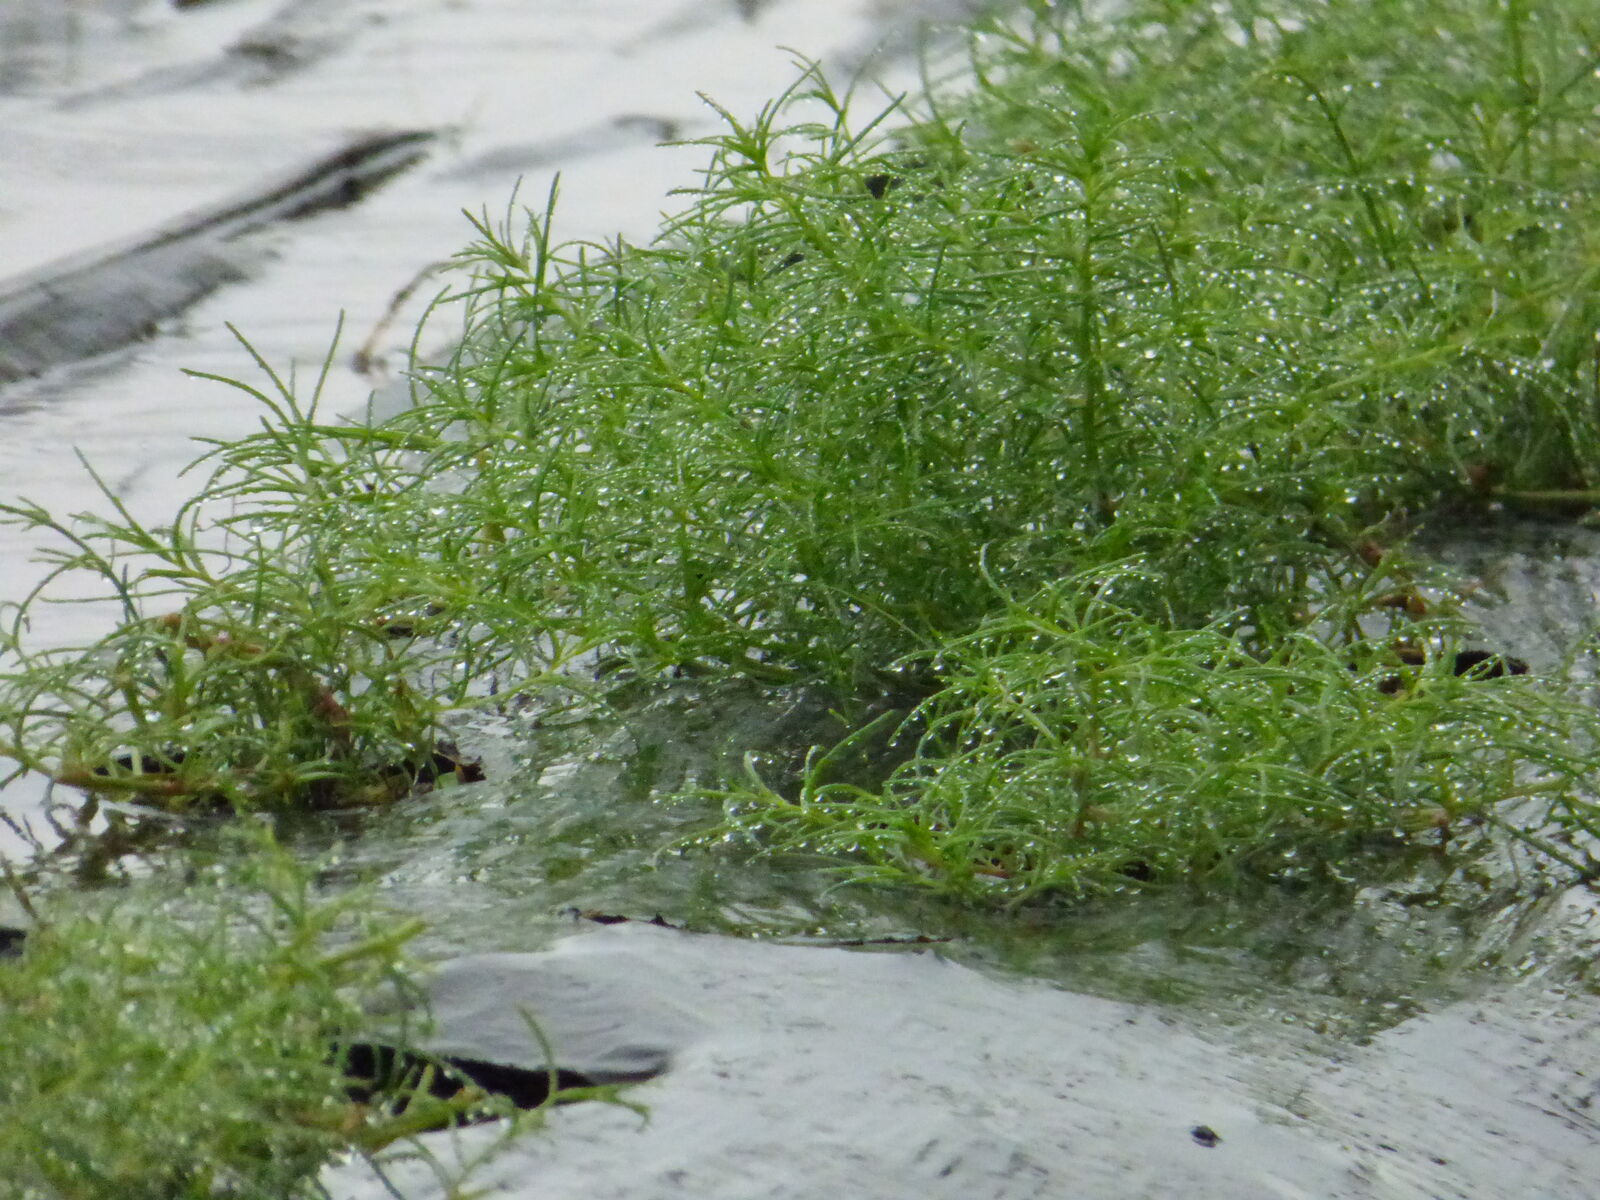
376,1071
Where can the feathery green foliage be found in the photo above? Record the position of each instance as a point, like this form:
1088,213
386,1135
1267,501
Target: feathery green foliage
1211,301
150,1048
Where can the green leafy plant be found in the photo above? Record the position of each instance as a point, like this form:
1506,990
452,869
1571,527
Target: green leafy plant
1236,294
167,1042
276,646
1076,746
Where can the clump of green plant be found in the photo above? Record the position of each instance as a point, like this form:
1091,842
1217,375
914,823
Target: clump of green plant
166,1043
276,648
1416,185
1235,293
1171,286
1220,295
781,441
1076,746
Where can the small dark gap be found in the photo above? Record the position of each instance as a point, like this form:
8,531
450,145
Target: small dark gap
1477,664
605,918
375,1070
881,184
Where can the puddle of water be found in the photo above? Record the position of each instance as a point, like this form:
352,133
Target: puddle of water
576,820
